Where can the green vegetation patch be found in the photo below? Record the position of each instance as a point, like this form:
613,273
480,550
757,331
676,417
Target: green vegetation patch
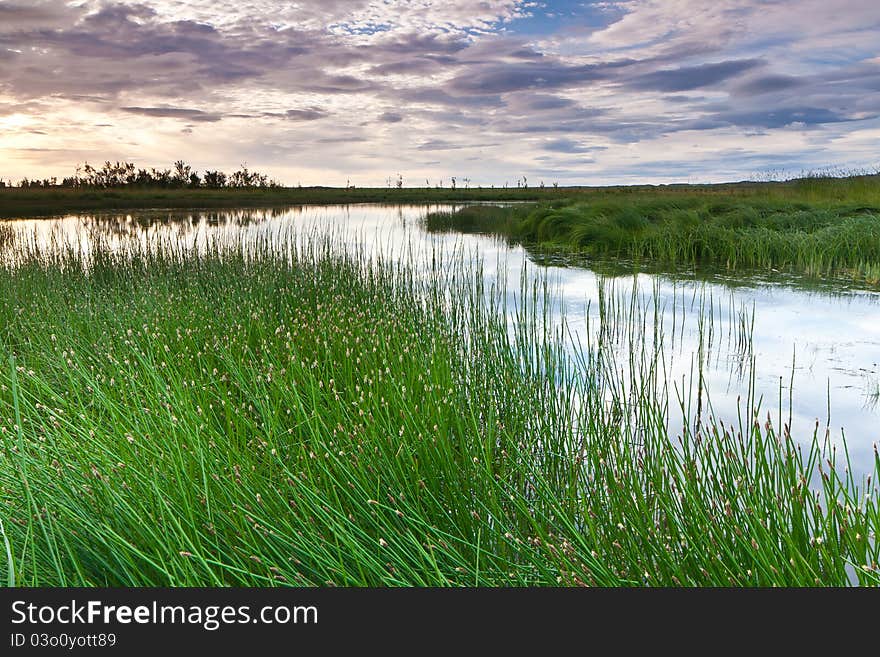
817,230
303,416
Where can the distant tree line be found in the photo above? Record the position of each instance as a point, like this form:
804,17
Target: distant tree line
126,174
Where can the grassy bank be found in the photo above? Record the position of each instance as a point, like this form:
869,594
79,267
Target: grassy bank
817,228
36,202
257,416
32,202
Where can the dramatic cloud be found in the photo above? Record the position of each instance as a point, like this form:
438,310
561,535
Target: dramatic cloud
692,77
515,76
593,92
768,84
782,117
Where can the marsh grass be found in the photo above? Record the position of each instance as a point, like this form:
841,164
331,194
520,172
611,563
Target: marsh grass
293,413
7,235
818,228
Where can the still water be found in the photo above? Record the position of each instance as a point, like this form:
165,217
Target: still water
815,349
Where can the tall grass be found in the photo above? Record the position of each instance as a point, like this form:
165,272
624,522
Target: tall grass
7,235
301,415
817,239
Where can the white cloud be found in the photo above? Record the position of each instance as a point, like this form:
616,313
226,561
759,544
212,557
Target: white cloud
346,15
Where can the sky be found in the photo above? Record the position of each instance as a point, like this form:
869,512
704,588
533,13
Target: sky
332,92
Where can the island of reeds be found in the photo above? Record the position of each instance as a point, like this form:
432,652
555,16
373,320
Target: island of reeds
815,227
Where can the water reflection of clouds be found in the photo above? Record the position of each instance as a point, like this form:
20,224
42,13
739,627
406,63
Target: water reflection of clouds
834,334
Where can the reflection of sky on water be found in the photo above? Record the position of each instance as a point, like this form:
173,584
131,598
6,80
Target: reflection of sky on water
834,337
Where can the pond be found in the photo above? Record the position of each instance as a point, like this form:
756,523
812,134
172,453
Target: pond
810,354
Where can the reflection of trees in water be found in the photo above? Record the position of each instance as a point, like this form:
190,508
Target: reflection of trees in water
179,222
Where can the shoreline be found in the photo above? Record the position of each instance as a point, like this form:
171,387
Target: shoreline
31,202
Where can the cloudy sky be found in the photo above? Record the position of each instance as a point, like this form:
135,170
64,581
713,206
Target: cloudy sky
325,91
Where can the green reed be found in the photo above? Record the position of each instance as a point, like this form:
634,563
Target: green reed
817,231
294,413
